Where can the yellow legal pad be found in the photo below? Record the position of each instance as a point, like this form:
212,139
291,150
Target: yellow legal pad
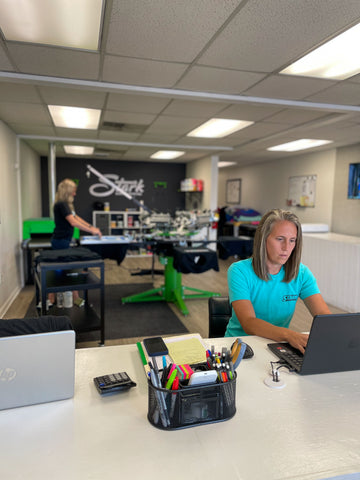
187,351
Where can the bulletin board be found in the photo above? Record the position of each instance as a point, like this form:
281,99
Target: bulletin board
302,191
233,191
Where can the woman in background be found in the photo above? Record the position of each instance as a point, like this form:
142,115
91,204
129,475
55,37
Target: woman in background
263,289
66,218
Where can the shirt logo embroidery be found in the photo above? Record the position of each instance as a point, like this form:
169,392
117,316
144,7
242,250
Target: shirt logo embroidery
290,298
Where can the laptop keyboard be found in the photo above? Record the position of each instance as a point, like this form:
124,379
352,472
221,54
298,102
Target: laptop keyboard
289,354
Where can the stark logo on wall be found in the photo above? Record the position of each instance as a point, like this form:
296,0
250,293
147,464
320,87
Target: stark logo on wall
135,188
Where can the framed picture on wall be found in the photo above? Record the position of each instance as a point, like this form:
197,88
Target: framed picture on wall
233,191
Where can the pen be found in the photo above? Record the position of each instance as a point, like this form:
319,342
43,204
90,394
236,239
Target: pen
175,386
163,407
143,358
164,361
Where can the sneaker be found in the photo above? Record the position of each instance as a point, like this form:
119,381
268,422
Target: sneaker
48,305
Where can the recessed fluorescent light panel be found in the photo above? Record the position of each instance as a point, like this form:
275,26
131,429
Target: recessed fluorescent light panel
65,23
167,154
301,144
337,59
75,117
218,128
226,164
78,150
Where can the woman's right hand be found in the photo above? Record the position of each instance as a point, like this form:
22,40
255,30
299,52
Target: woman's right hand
96,231
297,340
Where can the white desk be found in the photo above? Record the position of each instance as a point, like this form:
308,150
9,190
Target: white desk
308,430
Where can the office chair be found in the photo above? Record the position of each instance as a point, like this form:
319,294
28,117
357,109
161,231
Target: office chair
219,316
27,326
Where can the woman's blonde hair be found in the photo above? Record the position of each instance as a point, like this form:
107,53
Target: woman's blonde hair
65,192
259,251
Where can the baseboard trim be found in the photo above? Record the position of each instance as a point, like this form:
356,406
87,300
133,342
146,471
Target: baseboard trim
5,307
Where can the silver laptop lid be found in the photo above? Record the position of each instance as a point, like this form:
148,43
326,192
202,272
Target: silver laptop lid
36,368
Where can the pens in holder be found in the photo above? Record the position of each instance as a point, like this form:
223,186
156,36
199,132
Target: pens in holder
155,380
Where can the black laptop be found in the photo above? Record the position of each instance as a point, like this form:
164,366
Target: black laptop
333,346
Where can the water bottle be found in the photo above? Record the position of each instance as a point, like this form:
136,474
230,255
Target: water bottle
68,299
60,300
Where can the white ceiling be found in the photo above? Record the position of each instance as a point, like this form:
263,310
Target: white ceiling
166,66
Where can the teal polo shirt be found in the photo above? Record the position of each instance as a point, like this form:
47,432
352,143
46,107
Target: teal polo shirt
274,300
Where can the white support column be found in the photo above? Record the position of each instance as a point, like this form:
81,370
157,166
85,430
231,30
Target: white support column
52,176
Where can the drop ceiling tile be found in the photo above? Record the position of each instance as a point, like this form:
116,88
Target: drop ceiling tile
288,87
250,112
75,97
5,63
19,93
342,93
77,133
141,72
136,103
193,108
160,138
174,125
295,116
266,35
218,80
17,113
154,31
32,129
117,136
128,117
59,62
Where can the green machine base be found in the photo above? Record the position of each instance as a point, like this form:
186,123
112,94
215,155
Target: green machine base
171,291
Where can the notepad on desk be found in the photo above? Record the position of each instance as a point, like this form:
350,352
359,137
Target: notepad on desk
183,349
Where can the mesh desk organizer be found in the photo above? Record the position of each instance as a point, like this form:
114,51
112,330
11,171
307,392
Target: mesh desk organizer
190,406
178,260
67,270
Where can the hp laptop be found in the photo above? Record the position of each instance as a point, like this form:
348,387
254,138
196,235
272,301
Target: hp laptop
333,346
36,368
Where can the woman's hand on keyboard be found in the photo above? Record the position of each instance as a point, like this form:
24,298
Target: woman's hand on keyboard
297,340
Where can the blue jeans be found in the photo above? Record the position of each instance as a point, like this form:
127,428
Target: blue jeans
60,243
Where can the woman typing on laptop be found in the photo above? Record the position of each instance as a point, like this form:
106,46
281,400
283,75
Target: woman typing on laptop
263,289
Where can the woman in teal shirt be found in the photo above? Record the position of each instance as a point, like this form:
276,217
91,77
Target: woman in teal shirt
263,289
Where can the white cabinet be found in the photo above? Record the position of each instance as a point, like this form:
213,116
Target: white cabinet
117,222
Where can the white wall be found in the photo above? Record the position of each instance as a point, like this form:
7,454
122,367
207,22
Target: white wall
14,182
206,170
265,185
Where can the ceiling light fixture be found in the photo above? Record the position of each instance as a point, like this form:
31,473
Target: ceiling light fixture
75,117
218,128
78,150
226,164
337,59
166,154
64,23
296,145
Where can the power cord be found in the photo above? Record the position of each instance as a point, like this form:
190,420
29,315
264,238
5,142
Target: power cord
274,380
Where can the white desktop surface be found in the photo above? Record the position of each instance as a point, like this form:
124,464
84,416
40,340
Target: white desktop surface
310,429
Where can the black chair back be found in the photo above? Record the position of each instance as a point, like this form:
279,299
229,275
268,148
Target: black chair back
219,316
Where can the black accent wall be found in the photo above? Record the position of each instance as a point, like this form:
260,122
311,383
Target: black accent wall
157,184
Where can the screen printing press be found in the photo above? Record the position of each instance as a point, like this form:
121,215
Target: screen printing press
177,259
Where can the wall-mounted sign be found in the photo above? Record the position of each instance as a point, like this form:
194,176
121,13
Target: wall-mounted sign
302,191
135,188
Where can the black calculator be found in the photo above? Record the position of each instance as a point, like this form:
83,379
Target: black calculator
113,382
